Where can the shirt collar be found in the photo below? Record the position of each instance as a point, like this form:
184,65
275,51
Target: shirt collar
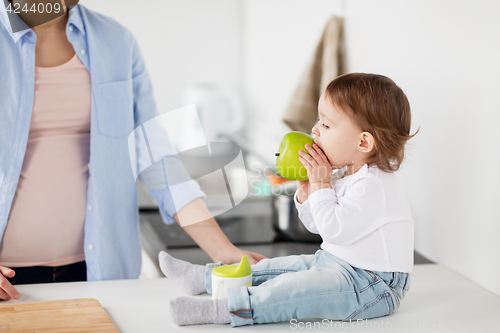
8,18
75,19
361,172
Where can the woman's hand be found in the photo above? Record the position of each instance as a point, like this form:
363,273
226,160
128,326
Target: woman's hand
319,169
6,289
234,255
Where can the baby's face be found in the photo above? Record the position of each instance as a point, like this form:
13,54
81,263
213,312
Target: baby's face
336,134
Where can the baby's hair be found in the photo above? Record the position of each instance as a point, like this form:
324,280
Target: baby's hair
378,106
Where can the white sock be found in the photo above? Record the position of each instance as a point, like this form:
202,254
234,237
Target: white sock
189,276
192,311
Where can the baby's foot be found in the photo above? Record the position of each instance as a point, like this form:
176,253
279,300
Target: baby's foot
193,311
189,276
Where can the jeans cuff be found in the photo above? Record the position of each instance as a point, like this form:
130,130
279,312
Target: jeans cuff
239,306
208,275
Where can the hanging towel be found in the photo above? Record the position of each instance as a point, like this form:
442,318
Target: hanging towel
327,63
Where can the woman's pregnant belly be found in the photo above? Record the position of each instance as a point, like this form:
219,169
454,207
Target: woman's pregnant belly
46,222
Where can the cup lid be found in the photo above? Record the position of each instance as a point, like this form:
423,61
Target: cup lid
234,271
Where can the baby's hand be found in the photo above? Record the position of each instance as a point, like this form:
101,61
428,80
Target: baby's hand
302,190
319,169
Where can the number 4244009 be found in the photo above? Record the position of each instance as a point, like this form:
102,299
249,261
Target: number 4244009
35,8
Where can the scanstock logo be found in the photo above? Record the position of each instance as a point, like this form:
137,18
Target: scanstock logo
27,14
159,166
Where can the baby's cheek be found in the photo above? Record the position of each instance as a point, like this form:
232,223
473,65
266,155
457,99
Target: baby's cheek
330,156
327,155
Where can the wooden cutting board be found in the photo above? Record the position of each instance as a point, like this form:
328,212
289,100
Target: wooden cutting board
72,315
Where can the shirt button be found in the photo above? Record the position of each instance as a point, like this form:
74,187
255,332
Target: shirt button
82,51
29,33
90,247
70,28
89,207
88,165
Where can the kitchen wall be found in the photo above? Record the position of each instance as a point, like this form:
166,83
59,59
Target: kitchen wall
279,37
444,54
183,43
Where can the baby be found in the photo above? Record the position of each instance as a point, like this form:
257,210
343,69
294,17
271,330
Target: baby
363,267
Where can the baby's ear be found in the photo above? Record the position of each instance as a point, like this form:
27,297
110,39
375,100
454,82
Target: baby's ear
367,142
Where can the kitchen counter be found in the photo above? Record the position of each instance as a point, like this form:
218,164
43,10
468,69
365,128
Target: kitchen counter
439,300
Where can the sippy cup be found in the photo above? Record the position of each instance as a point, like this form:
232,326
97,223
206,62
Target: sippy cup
231,276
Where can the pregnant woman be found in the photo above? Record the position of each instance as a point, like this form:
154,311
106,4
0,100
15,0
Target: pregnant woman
71,91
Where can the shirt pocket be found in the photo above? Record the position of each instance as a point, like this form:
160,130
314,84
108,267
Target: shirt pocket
114,103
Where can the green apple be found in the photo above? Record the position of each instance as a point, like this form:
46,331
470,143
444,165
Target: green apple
288,164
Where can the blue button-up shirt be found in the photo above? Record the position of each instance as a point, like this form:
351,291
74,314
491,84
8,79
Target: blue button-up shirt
122,99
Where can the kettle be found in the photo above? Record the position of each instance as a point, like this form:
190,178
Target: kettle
285,217
219,112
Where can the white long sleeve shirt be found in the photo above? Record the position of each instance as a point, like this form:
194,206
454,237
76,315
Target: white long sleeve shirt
364,220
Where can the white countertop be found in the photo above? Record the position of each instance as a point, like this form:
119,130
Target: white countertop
439,300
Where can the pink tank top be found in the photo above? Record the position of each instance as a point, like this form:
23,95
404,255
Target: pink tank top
46,221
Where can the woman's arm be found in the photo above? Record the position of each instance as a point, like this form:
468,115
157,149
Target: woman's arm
207,233
209,236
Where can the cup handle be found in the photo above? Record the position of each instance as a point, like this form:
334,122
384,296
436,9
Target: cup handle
217,283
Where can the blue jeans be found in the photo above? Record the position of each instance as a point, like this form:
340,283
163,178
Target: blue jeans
318,286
